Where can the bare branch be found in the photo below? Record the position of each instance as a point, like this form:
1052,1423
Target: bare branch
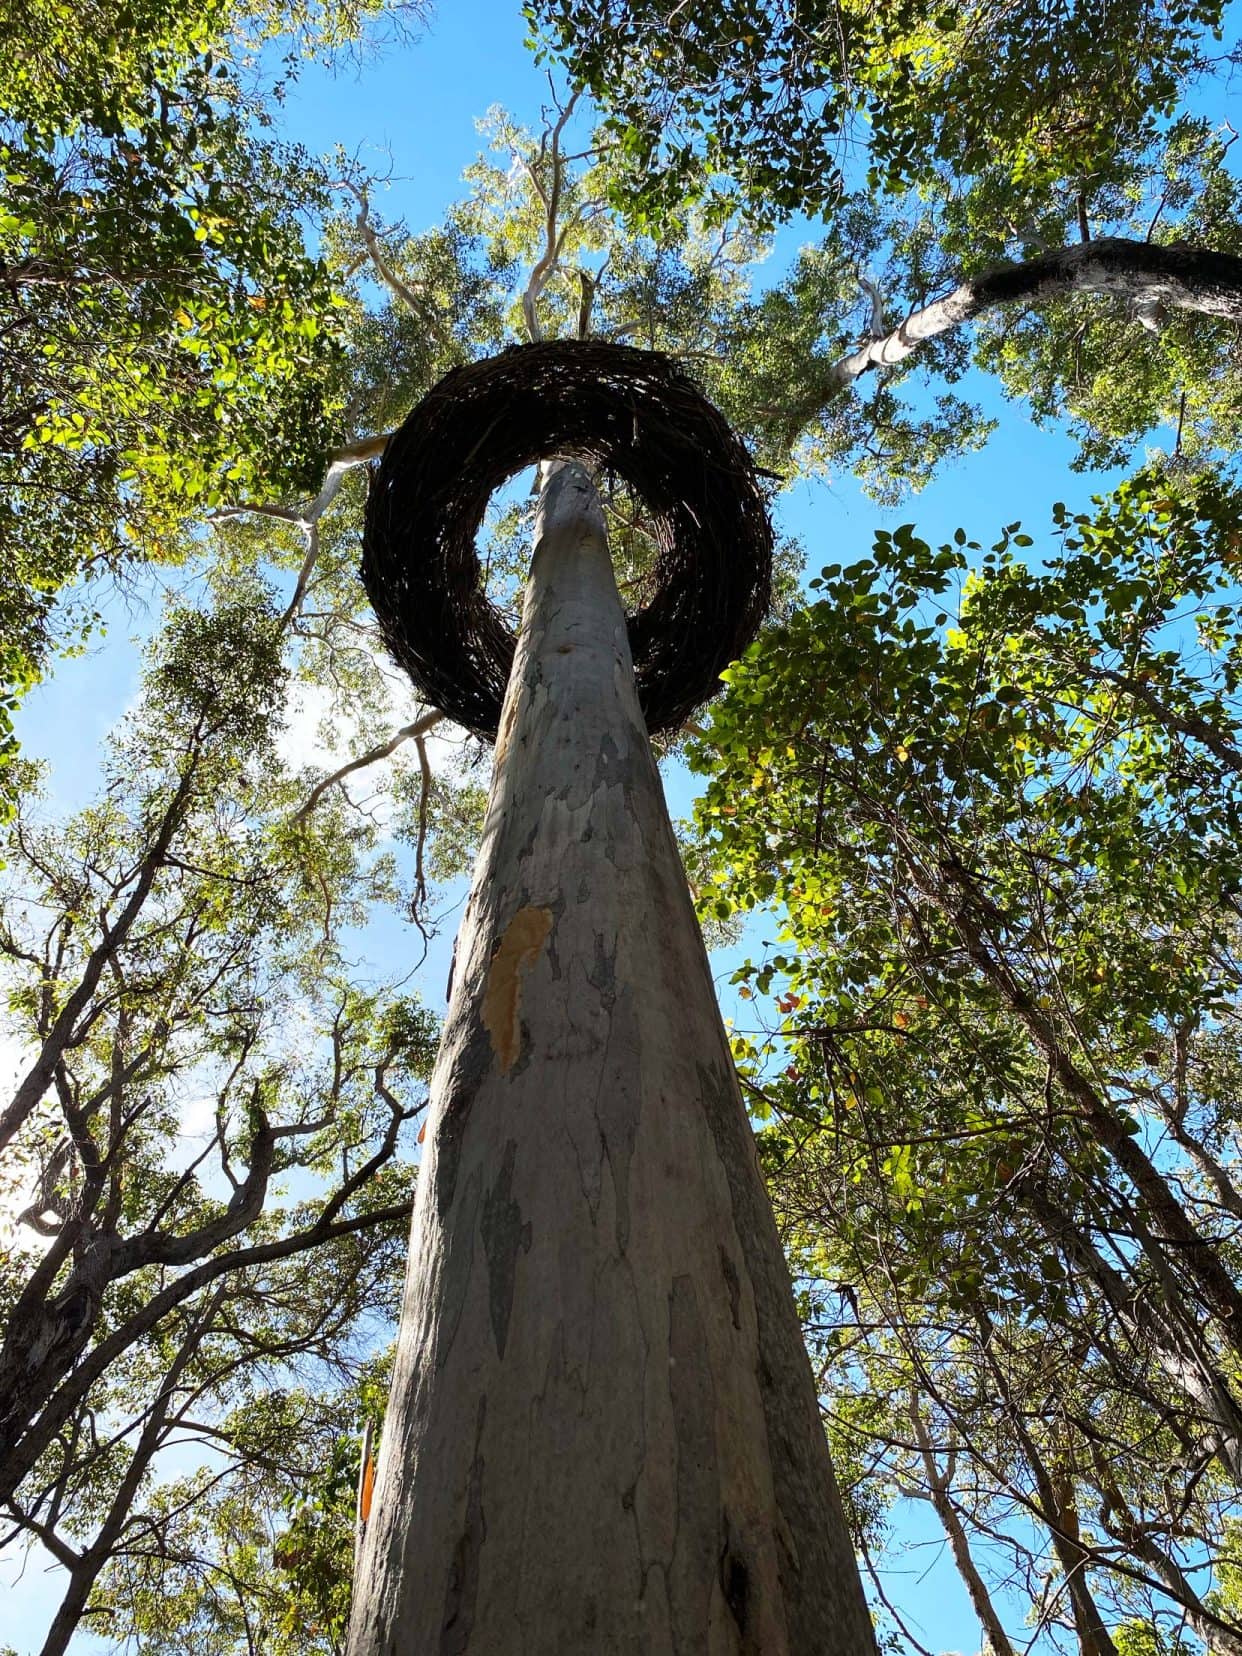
876,328
26,1447
1084,223
341,460
414,731
311,533
424,802
587,284
284,514
554,237
306,518
65,1029
399,288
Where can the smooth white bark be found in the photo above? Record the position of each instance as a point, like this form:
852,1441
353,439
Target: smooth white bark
603,1434
1152,277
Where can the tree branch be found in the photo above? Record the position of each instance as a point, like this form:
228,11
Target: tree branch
414,731
306,518
396,286
877,329
1183,278
36,1082
424,802
340,461
554,241
27,1446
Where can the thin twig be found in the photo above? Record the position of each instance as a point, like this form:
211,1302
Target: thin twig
424,803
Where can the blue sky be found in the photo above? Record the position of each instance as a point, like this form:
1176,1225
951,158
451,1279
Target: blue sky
415,109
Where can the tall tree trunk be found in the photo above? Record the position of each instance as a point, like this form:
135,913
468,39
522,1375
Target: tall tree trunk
1198,1257
1174,1341
603,1434
1057,1506
939,1493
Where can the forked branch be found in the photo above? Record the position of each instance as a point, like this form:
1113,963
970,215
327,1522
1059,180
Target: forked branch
306,518
414,731
554,233
396,285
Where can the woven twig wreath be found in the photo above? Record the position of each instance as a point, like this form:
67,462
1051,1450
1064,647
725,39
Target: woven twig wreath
634,413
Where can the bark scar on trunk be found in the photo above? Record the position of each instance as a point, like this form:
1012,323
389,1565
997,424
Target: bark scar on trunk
734,1285
503,1235
463,1582
522,940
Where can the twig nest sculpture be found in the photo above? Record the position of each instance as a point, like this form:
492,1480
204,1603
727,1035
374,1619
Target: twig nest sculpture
633,413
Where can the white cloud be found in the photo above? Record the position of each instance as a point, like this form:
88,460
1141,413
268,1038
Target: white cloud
301,742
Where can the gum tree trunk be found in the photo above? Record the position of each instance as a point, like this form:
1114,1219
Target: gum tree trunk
603,1434
940,1494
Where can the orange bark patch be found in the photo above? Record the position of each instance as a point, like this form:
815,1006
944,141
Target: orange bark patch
523,938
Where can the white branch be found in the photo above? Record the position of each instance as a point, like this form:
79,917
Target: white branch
306,518
553,242
311,533
399,288
340,461
1178,277
877,329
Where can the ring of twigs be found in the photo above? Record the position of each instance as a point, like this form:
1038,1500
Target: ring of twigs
633,413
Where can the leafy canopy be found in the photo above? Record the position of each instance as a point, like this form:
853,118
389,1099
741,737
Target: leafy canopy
167,337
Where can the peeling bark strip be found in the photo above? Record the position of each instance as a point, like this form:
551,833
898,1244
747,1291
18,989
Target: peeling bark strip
523,938
593,1252
1151,276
